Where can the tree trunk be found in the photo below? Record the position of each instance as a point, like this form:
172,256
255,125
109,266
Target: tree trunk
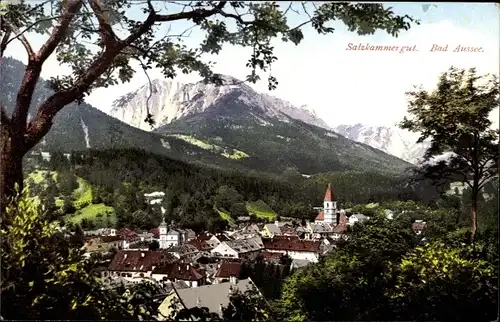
11,166
473,227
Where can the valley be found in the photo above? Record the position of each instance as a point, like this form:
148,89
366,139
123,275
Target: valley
189,161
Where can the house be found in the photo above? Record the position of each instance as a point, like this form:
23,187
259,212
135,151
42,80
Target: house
271,230
318,230
146,237
201,245
294,247
215,297
179,271
133,264
419,226
102,243
357,218
218,238
190,234
389,214
155,197
251,229
173,237
227,271
271,257
128,236
182,251
288,231
247,247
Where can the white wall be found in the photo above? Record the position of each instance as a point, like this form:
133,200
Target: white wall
225,251
310,256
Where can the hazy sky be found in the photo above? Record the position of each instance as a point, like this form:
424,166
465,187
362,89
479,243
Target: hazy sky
347,87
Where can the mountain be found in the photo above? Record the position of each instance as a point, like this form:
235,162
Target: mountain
260,131
231,127
392,140
171,100
80,127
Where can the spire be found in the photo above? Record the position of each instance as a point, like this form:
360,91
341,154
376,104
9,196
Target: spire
163,223
329,193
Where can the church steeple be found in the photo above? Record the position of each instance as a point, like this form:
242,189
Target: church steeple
329,206
163,234
329,193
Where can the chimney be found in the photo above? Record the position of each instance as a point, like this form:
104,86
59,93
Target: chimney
220,308
233,280
276,223
125,256
142,254
198,302
187,267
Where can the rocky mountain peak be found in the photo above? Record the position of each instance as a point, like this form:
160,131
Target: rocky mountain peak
171,100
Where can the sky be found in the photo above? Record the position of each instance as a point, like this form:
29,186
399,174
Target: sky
346,86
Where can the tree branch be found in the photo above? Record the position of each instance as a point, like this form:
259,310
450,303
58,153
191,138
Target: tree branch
59,30
5,42
42,122
22,39
108,36
34,68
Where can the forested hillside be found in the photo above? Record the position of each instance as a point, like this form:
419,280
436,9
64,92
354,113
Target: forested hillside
198,196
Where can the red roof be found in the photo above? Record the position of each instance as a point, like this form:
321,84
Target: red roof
200,245
271,255
321,216
180,271
126,233
292,244
228,269
138,261
329,193
155,232
204,236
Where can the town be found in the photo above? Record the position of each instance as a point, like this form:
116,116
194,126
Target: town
246,161
182,262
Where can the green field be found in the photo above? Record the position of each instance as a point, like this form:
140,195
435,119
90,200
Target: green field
82,201
236,154
96,213
261,210
225,216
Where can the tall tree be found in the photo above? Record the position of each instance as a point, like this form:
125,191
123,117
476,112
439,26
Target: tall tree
70,24
455,118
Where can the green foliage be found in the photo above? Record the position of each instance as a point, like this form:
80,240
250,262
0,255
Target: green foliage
45,275
380,273
349,283
268,277
226,197
439,282
455,117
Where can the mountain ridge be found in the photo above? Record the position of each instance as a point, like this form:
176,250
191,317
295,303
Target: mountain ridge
390,139
171,100
237,131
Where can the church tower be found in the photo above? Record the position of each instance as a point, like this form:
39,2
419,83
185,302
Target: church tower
163,234
329,206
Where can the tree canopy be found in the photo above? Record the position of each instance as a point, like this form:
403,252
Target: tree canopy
455,117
